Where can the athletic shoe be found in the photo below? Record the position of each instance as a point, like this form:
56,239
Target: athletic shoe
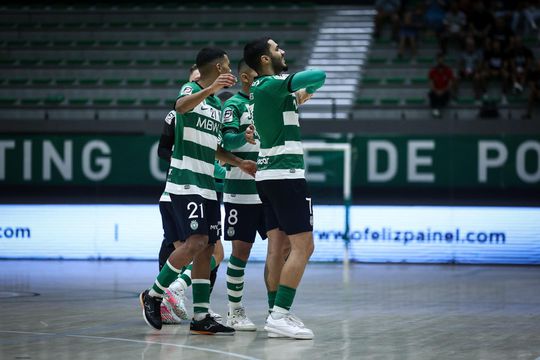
216,316
151,309
239,321
168,315
176,298
287,326
209,326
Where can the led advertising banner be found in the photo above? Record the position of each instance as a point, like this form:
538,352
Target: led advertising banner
440,161
418,234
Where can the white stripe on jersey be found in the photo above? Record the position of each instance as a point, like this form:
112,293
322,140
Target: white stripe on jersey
290,118
279,174
200,138
247,147
195,165
241,198
244,119
176,189
237,174
165,197
204,109
290,147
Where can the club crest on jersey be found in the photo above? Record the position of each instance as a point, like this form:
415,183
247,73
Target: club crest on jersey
230,231
194,225
187,90
227,115
170,116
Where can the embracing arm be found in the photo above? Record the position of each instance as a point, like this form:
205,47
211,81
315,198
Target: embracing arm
311,80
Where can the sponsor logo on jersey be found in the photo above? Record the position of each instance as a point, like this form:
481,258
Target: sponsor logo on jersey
262,161
194,225
208,124
187,90
227,115
170,117
230,231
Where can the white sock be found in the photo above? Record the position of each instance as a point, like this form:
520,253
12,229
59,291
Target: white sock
199,316
278,312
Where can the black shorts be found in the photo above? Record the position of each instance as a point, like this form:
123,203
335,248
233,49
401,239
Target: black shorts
194,214
287,205
243,221
170,234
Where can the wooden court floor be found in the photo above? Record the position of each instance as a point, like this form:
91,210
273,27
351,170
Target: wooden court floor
90,310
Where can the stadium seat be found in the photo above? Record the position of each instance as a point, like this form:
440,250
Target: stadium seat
98,62
425,60
162,24
300,23
415,101
31,101
130,42
159,82
231,24
121,62
54,99
390,101
88,81
365,101
29,62
7,100
65,81
154,42
401,60
17,81
144,62
177,42
371,80
108,42
377,60
465,100
52,61
150,101
168,62
102,101
419,81
185,24
139,24
126,101
8,62
395,81
39,43
135,81
112,82
75,62
42,81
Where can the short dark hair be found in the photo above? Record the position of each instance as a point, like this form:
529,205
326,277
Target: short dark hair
253,52
208,55
192,68
241,65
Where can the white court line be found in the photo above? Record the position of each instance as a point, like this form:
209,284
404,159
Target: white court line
240,356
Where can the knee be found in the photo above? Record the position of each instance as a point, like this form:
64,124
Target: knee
196,244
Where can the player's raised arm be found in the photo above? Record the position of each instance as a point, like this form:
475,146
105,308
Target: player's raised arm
190,101
311,80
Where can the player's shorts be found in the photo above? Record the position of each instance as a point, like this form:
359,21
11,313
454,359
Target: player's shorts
194,214
287,205
243,221
170,234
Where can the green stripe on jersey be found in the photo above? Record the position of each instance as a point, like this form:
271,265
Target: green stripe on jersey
197,134
275,114
236,115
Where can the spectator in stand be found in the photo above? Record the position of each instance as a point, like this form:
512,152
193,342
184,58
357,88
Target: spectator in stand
526,14
408,32
441,80
470,65
534,90
387,10
501,33
520,61
454,25
495,68
434,16
480,22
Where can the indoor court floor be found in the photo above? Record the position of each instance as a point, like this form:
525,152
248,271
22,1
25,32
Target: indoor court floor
90,310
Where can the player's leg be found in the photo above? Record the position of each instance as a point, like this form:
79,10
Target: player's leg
278,245
203,323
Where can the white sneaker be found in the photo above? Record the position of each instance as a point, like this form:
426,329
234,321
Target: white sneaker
167,314
215,316
176,298
239,321
288,326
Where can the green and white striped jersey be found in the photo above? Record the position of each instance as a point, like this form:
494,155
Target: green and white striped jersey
275,115
197,135
239,187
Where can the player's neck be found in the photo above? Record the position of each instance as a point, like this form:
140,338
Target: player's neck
245,89
206,81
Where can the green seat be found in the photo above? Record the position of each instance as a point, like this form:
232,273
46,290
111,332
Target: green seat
121,62
389,101
94,24
231,24
425,60
102,101
300,23
377,60
159,81
29,62
144,62
371,81
223,42
85,43
50,25
185,24
177,43
52,61
207,24
17,81
365,101
170,101
78,101
168,61
277,23
415,101
30,101
516,100
65,81
188,62
465,100
8,62
395,81
135,81
126,101
42,81
39,43
112,82
130,43
431,40
7,100
253,24
162,24
400,60
150,101
118,24
72,25
62,43
75,62
293,42
383,41
98,62
153,42
529,40
15,43
54,99
419,80
200,42
88,81
108,42
140,24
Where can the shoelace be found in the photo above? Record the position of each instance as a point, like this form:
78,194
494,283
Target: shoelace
294,320
239,312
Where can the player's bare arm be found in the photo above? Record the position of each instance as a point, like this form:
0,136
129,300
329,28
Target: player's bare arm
189,102
247,166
